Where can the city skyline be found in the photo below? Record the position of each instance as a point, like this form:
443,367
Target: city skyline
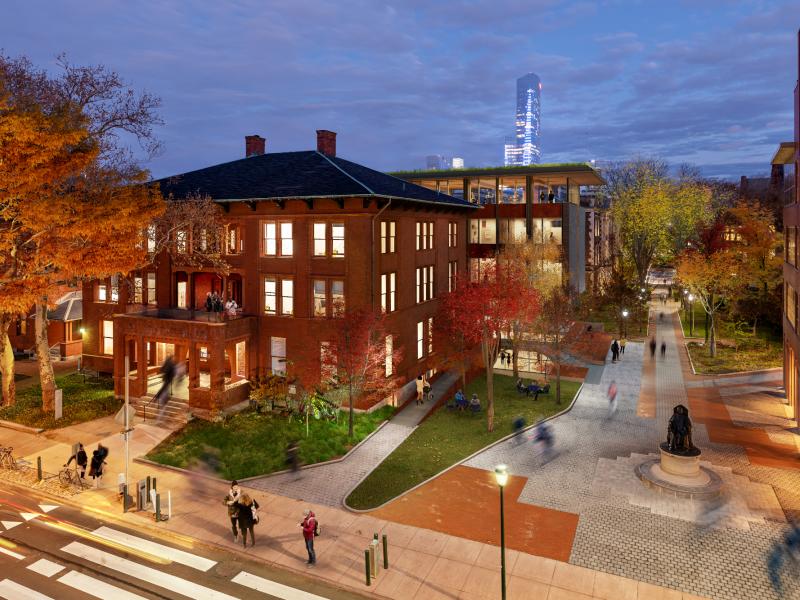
689,82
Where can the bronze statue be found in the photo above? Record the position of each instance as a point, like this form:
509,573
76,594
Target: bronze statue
679,431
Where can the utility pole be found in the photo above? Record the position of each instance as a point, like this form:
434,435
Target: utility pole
126,432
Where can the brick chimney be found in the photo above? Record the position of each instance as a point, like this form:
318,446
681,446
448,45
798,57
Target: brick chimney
254,145
326,142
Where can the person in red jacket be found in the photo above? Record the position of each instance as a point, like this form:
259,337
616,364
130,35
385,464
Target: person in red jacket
309,526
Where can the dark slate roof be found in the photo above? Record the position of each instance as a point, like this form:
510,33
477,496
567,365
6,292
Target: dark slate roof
68,308
306,174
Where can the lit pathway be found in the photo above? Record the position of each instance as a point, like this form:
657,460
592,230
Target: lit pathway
629,530
328,484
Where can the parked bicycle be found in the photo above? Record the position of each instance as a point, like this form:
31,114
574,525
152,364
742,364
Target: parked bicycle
70,476
7,460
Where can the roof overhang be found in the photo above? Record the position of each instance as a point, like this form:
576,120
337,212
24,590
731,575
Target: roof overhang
439,203
555,174
784,155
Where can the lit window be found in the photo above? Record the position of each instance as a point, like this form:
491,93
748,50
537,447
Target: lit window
232,240
270,239
203,353
392,235
452,234
287,296
151,289
151,238
452,274
430,235
270,296
320,299
107,339
430,335
138,291
430,283
287,242
181,241
320,239
337,239
389,367
388,282
420,339
337,297
278,352
203,242
424,284
102,292
115,288
388,229
419,235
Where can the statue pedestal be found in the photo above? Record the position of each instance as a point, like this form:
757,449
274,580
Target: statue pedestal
680,475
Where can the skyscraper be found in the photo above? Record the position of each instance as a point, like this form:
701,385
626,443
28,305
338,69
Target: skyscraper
523,148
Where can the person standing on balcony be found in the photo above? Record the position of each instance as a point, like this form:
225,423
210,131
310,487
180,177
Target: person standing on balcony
209,302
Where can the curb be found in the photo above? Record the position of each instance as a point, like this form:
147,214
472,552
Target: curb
183,471
18,427
454,465
152,529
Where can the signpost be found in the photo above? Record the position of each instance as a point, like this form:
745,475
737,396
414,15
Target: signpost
59,403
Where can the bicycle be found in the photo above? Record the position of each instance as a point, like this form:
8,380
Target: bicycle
7,460
70,476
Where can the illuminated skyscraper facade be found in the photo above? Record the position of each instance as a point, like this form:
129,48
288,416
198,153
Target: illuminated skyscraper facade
523,148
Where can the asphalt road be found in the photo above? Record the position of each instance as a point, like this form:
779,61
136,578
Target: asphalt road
56,552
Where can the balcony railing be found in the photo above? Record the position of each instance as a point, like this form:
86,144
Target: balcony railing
182,314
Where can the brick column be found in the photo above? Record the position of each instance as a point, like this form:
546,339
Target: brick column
139,389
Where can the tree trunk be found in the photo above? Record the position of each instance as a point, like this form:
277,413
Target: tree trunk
514,361
488,360
755,322
350,415
9,395
712,344
708,319
558,373
46,377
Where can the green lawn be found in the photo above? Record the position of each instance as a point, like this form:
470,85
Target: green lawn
635,324
448,436
250,443
752,355
82,402
699,330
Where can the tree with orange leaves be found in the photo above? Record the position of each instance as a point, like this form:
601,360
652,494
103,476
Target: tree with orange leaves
77,213
486,309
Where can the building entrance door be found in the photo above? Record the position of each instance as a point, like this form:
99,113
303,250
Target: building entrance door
182,296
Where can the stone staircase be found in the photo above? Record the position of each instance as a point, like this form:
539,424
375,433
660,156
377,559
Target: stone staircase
176,412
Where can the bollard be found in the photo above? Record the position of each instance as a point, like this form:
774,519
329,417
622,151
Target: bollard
39,467
385,552
154,483
366,565
169,504
125,497
148,486
158,508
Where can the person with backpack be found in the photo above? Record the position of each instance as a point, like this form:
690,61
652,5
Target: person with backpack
310,530
230,500
248,517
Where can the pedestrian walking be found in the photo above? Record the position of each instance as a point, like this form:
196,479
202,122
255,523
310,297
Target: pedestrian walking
292,458
310,529
612,398
420,389
168,370
652,347
81,460
614,350
230,500
622,343
97,464
663,348
248,517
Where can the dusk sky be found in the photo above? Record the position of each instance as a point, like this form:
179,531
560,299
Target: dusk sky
706,81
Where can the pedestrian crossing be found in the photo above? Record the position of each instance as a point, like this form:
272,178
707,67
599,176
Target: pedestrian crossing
59,579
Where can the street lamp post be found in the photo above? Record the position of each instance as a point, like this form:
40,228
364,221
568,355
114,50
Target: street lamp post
691,310
625,321
501,475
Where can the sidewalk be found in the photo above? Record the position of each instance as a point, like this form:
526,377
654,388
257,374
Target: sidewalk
330,484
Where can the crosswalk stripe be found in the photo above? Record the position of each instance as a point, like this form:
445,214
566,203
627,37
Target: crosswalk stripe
172,554
95,587
259,584
48,507
14,591
164,580
11,553
10,524
28,516
46,567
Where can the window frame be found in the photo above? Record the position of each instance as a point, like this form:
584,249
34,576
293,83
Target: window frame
104,338
283,245
273,356
420,340
388,237
138,290
389,292
152,301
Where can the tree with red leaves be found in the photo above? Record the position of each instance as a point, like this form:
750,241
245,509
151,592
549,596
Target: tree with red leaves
486,309
362,354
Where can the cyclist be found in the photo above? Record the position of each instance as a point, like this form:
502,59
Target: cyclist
81,460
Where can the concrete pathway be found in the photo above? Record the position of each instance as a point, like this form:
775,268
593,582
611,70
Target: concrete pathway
329,484
631,531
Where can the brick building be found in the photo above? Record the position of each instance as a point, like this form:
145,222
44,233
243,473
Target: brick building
304,230
789,154
63,329
538,202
